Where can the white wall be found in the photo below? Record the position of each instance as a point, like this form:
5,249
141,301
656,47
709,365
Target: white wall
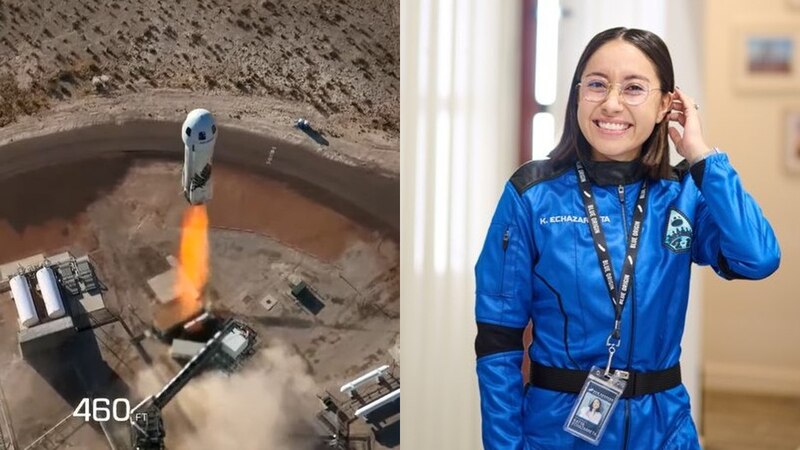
751,332
684,29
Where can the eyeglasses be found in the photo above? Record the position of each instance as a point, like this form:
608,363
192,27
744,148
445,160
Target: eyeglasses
632,93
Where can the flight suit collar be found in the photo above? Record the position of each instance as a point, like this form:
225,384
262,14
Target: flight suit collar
614,173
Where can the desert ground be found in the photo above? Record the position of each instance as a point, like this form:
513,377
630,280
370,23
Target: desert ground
94,168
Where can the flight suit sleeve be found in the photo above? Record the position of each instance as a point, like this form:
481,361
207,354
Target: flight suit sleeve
503,276
733,236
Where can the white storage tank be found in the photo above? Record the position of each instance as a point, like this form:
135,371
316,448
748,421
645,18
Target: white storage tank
50,294
24,302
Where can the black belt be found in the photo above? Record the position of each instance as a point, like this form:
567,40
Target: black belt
571,381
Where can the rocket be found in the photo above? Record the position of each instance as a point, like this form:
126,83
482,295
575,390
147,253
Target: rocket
199,133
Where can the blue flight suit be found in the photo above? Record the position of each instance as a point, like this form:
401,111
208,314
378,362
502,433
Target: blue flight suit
538,264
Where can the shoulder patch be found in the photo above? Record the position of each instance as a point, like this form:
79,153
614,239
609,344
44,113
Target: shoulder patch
679,171
533,172
678,234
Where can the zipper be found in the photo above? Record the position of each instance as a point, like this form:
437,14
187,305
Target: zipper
626,433
621,193
506,238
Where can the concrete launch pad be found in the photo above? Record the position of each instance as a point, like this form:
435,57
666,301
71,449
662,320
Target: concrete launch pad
167,317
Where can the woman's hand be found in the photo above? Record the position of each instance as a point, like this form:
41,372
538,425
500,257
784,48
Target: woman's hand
691,145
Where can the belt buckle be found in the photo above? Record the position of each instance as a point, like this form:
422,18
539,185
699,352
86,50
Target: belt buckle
622,374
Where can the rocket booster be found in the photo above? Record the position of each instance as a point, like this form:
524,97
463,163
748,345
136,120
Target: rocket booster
199,133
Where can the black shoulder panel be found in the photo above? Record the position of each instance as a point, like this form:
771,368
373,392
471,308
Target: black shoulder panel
533,172
679,172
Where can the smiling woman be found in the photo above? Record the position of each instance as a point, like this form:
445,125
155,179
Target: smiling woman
620,96
616,112
612,168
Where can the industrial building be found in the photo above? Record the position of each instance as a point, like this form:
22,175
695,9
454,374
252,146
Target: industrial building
236,344
184,350
55,297
373,397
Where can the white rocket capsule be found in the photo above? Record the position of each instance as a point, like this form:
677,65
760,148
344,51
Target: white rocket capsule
199,133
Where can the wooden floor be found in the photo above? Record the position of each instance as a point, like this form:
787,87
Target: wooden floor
750,422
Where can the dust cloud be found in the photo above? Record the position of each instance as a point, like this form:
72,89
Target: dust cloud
270,404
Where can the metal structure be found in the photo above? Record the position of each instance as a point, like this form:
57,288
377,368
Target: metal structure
335,426
375,375
182,349
53,303
367,393
375,394
56,296
23,300
372,406
224,351
77,276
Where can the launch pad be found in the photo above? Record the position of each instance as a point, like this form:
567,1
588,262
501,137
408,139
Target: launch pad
227,349
169,318
169,313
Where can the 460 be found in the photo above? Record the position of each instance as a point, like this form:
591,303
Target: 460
103,409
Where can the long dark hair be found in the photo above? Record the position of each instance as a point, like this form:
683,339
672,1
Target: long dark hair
655,150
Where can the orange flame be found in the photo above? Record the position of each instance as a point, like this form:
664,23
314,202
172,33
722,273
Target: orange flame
193,257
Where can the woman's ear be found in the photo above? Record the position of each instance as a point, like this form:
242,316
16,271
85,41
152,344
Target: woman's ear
665,107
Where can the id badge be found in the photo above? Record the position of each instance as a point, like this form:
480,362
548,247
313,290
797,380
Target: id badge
596,402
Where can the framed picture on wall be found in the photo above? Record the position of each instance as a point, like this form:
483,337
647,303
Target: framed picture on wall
767,57
793,140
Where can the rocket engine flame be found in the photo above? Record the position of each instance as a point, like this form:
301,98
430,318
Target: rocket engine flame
193,257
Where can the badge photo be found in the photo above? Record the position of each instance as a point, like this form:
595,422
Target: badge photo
596,402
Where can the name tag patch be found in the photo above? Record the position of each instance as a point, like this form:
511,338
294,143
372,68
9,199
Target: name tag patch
566,218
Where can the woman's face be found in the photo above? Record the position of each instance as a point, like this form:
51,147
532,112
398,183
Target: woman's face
614,129
595,404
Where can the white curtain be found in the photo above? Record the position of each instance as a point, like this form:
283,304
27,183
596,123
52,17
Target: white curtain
459,126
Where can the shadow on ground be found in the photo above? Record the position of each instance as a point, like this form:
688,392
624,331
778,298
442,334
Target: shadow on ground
385,423
315,135
77,370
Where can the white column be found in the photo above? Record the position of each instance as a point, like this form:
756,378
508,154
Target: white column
459,118
683,35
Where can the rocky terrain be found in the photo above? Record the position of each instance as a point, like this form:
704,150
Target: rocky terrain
340,57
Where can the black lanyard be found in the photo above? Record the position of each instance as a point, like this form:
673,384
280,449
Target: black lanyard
618,297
